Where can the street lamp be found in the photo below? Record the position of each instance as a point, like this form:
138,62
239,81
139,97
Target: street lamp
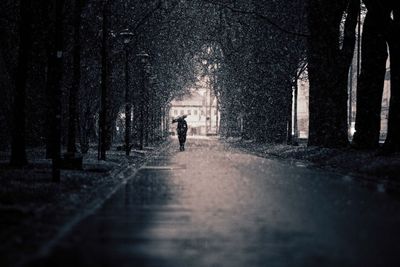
127,37
143,59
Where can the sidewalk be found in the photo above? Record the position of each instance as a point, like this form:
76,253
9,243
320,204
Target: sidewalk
35,211
371,169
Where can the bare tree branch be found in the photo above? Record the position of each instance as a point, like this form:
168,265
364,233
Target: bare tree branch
257,15
147,16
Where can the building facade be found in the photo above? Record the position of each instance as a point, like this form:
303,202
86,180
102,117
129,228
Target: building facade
202,112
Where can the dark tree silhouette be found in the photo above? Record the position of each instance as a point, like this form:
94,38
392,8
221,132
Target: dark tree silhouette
58,55
18,153
329,60
73,94
380,31
392,143
103,127
370,86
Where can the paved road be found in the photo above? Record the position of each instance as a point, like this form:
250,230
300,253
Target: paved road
210,206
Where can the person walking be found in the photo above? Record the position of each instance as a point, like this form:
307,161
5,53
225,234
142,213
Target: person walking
182,131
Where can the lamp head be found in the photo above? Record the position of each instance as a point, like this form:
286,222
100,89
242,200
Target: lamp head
127,35
143,57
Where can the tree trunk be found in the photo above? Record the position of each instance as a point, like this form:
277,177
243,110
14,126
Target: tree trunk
127,106
104,109
392,143
56,89
295,121
18,146
146,116
290,121
142,114
73,95
48,17
85,122
328,70
371,81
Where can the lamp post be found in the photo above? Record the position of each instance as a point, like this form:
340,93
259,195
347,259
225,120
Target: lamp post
127,36
143,60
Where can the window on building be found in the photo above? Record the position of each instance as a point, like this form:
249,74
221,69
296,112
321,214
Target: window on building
202,113
195,112
182,112
215,112
175,112
189,112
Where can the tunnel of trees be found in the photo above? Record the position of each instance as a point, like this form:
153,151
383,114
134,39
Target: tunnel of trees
65,67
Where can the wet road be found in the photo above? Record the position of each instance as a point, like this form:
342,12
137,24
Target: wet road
210,206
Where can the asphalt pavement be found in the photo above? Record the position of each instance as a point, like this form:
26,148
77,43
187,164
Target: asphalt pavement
212,206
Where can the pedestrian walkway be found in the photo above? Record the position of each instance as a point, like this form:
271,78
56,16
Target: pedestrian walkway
211,206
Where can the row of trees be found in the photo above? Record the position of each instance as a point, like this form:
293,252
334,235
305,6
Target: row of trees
259,47
265,45
63,71
330,51
64,64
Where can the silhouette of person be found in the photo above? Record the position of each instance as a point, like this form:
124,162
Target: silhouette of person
182,130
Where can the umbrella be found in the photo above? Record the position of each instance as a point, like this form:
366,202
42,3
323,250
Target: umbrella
179,118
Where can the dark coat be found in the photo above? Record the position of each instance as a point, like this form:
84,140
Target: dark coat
182,128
